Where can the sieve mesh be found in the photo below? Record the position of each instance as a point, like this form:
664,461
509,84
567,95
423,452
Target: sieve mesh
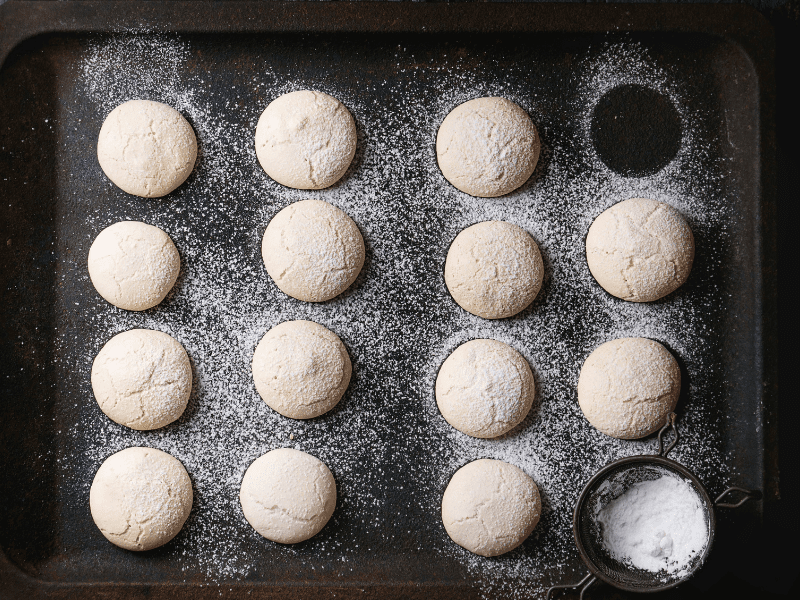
608,485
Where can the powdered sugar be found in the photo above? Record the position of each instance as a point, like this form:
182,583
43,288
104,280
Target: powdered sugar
388,447
658,525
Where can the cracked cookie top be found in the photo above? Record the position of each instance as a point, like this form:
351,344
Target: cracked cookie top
301,369
485,388
133,265
627,387
287,495
142,379
640,250
487,147
493,269
140,498
306,140
146,148
490,507
312,250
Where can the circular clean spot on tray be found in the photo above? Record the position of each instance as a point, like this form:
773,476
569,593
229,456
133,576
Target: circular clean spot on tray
636,131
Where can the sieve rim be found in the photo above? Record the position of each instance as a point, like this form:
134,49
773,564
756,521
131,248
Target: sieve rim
647,459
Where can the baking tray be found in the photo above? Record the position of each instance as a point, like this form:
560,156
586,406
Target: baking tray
386,538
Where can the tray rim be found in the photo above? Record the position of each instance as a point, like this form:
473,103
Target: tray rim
23,19
742,25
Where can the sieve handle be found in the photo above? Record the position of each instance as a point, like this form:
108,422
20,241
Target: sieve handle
748,495
583,584
670,424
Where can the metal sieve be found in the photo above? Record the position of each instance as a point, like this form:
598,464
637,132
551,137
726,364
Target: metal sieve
610,483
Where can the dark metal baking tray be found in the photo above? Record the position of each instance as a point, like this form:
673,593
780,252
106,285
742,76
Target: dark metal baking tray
48,544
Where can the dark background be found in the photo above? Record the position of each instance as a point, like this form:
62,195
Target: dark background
770,565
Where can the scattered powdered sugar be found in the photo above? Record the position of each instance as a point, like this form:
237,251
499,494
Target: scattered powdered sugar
388,447
658,525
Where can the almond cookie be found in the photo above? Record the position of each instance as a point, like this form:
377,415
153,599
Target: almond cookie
133,265
140,498
490,507
146,148
312,250
494,269
487,147
640,250
485,388
288,496
627,387
306,140
301,369
142,379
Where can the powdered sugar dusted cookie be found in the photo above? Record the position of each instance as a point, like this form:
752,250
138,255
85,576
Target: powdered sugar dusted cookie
628,386
301,369
485,388
140,498
487,147
133,265
287,495
490,507
640,250
142,379
146,148
494,269
312,250
306,140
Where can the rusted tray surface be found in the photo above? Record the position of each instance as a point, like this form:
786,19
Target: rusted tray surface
399,70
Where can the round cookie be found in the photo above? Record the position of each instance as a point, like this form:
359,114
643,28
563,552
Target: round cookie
140,498
301,369
146,148
627,387
306,140
490,507
312,250
485,388
493,269
640,250
287,496
142,379
133,265
487,147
